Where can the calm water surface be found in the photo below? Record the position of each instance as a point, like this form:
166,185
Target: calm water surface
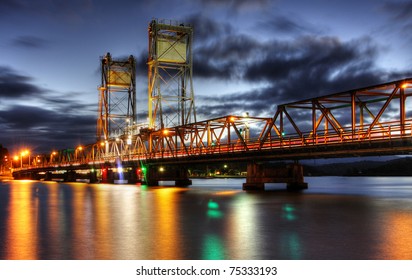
336,218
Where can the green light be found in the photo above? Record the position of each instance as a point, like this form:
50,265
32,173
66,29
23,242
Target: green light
291,245
288,212
213,205
288,208
214,214
213,211
213,248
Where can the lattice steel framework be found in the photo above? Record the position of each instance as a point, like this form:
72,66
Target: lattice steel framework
365,113
117,97
375,120
170,88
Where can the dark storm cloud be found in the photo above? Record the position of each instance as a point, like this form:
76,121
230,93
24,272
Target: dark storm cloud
44,129
283,24
224,58
289,70
31,42
57,123
232,104
286,70
312,66
26,117
205,29
15,85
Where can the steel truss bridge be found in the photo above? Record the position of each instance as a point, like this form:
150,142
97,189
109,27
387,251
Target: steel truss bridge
370,121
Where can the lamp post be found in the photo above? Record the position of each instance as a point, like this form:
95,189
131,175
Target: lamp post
52,155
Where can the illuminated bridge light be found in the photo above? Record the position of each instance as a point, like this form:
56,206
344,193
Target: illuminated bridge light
213,205
288,212
213,210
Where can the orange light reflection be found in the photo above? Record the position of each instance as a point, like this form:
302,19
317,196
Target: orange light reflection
397,228
21,234
166,222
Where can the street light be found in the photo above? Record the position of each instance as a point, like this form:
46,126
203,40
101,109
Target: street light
22,154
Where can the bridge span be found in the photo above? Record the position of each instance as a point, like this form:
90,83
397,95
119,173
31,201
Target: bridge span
370,121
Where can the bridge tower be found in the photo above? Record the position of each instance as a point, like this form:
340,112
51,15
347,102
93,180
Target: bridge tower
117,97
170,88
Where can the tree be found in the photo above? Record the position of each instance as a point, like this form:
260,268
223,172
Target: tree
4,159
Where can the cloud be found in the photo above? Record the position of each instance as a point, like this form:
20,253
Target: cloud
312,66
280,71
59,122
400,10
399,23
205,29
284,25
224,58
15,85
30,42
43,129
303,67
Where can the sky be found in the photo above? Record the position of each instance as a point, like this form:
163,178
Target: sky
248,56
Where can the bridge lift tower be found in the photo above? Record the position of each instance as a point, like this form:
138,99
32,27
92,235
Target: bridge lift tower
117,97
170,88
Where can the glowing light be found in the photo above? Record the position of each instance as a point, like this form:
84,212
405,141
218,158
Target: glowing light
404,85
213,205
288,212
213,210
165,132
161,169
213,248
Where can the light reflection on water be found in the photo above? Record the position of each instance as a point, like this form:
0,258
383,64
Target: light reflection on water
336,218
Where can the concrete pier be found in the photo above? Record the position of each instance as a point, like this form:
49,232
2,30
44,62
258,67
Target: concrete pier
259,174
177,173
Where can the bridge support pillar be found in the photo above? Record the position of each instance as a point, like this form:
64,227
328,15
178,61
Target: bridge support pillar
70,176
93,176
48,176
178,174
259,174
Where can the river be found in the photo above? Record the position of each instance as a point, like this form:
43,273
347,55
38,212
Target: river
343,218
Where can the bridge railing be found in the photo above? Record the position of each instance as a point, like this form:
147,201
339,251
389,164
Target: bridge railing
385,131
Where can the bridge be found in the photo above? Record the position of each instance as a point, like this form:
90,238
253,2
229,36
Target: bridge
370,121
